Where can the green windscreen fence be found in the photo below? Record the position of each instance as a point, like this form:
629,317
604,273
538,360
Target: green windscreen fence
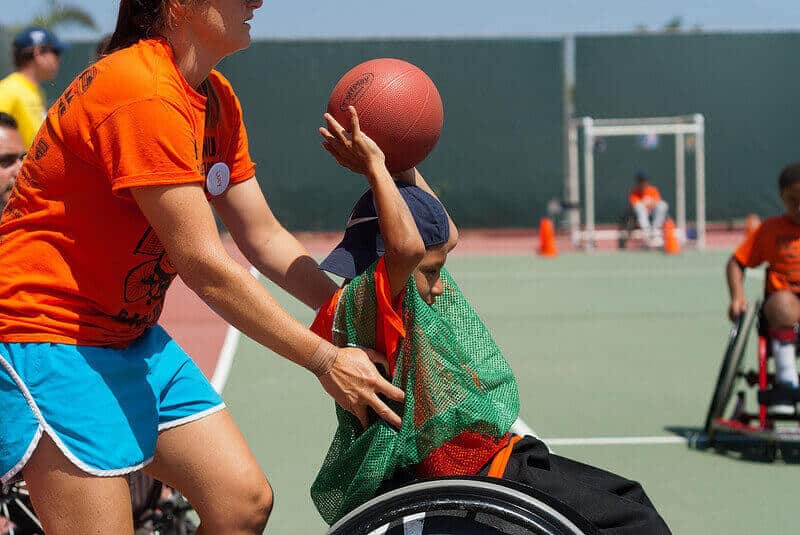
499,158
744,84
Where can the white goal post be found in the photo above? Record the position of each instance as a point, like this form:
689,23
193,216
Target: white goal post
593,129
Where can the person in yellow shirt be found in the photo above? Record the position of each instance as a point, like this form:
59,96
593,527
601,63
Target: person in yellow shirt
37,58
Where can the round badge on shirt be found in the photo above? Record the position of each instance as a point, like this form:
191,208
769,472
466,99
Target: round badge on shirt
218,179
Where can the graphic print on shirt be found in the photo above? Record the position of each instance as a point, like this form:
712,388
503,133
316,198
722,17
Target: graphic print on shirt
78,87
148,281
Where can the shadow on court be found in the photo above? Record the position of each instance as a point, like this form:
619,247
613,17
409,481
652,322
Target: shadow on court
738,447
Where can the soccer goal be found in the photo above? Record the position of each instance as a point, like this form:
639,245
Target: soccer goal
584,234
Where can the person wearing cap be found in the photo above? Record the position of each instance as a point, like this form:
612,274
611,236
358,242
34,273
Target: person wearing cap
37,58
645,201
12,151
461,396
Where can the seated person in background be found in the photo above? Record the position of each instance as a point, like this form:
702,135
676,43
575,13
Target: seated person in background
12,150
645,201
777,242
461,395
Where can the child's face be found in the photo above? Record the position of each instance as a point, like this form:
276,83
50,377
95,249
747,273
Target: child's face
791,201
427,276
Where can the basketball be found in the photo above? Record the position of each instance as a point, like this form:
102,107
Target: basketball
398,106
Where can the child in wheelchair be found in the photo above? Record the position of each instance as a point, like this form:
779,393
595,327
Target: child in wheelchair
461,396
777,243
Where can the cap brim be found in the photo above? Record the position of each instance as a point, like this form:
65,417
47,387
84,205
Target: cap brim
348,263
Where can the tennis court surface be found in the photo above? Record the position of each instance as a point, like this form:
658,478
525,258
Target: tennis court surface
616,355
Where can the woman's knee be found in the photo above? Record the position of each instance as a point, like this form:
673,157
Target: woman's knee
244,509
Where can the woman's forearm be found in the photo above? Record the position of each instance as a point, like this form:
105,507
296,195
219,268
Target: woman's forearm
243,302
285,261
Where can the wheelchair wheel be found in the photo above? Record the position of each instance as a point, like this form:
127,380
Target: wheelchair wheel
731,364
463,506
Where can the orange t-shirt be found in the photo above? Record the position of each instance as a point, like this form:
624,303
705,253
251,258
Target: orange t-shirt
649,196
465,454
776,242
79,262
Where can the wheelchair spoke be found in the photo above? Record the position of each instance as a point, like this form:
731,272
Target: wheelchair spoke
29,513
5,514
413,524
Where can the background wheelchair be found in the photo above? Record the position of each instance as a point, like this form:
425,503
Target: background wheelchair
747,417
154,512
463,506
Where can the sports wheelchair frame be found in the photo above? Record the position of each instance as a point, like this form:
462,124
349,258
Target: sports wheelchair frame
463,506
153,514
756,424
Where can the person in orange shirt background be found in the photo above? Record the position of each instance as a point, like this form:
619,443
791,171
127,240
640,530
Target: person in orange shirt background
113,201
775,242
645,201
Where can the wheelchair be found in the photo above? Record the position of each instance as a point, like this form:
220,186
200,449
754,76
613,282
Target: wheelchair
628,228
750,418
463,506
153,513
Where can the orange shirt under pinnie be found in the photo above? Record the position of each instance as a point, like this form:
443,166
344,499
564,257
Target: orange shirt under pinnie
79,263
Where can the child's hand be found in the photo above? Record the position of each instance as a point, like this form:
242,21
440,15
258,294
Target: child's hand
737,307
352,150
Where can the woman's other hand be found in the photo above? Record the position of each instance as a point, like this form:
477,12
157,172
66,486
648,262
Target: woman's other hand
354,382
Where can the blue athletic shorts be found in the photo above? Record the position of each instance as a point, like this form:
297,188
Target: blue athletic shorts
103,407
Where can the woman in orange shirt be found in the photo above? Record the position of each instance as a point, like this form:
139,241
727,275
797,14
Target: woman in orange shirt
111,204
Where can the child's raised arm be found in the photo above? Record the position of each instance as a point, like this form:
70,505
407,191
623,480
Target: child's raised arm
356,151
414,177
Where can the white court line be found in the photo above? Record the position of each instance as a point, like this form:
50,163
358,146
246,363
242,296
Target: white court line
756,274
614,441
229,345
521,428
593,274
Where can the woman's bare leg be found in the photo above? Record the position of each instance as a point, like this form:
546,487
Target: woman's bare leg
211,464
69,501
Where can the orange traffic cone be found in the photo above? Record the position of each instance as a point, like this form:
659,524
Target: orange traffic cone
751,224
547,238
671,243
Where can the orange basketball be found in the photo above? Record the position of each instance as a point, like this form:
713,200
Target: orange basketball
398,106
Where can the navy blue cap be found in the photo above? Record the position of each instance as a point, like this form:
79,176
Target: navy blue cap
363,244
641,175
37,36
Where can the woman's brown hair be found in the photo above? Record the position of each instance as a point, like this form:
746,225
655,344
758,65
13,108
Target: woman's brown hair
142,19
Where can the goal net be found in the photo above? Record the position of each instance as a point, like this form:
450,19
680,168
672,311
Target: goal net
582,224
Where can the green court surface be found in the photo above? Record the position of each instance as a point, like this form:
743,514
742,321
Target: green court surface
604,346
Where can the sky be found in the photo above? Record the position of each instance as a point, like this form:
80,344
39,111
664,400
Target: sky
291,19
